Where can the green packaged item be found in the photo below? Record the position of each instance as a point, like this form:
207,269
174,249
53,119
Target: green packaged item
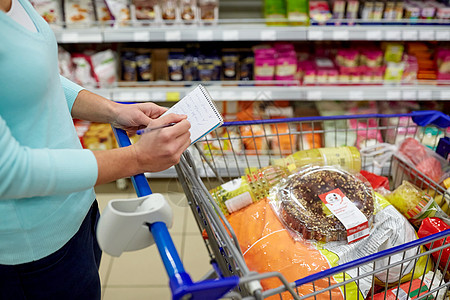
394,53
252,187
275,12
297,12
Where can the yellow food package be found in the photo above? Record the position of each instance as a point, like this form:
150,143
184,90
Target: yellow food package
415,204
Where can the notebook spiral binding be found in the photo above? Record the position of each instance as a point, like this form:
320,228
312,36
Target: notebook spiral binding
211,102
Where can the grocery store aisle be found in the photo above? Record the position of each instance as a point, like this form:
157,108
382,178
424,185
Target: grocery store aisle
141,274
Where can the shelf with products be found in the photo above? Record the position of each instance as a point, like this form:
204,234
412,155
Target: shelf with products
254,33
100,21
226,92
265,71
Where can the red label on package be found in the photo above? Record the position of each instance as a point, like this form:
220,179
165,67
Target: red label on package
351,217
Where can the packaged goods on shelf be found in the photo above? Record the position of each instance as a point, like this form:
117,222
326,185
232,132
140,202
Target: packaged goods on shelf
104,64
128,66
95,136
169,11
275,12
120,10
83,73
398,129
66,67
51,11
79,13
147,10
175,63
230,64
102,13
208,11
319,11
297,12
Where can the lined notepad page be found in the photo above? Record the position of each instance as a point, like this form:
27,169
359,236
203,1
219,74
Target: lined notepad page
201,112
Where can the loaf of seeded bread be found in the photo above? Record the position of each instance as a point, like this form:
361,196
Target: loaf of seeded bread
302,210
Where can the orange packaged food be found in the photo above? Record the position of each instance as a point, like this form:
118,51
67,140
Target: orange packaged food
268,247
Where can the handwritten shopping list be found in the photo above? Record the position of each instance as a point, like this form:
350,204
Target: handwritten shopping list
201,112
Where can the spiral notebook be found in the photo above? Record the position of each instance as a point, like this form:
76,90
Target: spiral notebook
201,112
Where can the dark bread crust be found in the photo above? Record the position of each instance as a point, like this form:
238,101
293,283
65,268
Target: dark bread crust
302,210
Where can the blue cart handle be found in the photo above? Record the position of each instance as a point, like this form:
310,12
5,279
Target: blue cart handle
180,282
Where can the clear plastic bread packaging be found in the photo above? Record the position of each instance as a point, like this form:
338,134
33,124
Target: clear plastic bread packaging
325,203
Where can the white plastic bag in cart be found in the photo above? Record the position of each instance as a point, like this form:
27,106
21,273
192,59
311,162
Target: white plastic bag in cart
389,229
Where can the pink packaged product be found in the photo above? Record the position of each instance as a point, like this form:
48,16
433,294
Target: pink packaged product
399,128
284,47
372,58
411,69
367,133
326,71
264,64
307,72
443,60
344,76
347,58
285,68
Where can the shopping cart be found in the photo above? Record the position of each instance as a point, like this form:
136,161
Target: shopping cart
229,152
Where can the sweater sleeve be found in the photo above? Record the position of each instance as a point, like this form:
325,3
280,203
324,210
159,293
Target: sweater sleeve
71,90
27,172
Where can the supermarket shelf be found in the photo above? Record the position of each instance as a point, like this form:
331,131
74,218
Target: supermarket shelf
252,31
293,93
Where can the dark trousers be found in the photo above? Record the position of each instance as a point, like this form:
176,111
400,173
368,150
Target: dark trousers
69,273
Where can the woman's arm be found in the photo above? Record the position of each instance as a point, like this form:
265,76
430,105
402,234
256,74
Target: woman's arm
27,172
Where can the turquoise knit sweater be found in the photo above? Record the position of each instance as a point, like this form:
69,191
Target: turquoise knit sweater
46,178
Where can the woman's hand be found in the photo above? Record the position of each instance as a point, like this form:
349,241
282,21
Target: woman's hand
160,149
132,117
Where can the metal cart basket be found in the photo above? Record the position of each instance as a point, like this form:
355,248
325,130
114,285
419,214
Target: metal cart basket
238,147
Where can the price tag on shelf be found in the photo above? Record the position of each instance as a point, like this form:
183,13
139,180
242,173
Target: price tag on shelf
228,96
173,96
409,95
341,35
264,96
268,35
425,95
356,95
374,35
230,35
158,96
314,95
315,35
205,35
393,35
247,95
393,95
125,96
173,35
142,96
443,35
141,36
445,95
410,35
70,37
426,35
